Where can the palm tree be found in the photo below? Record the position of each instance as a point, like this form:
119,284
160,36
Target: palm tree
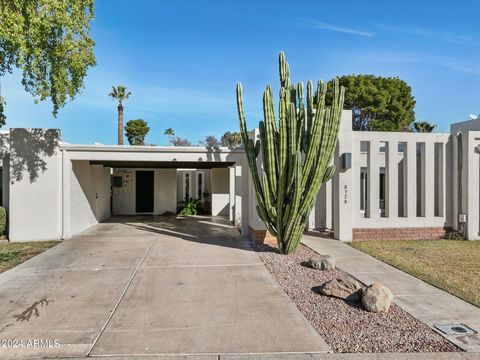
120,93
170,132
423,126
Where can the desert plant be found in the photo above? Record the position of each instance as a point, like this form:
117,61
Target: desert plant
296,154
423,126
3,220
189,207
120,94
169,132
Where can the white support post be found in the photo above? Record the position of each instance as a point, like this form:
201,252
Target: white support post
428,171
66,174
391,172
421,181
246,207
442,169
357,215
239,180
470,188
373,177
323,207
311,217
342,182
453,145
411,179
231,203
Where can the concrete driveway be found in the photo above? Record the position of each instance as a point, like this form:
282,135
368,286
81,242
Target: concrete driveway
149,285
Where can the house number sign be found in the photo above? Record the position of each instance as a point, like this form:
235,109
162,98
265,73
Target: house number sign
345,194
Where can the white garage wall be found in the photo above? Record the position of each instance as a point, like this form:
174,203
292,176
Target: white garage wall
89,195
220,191
165,191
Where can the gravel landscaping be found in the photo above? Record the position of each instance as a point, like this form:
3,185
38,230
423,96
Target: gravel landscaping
345,326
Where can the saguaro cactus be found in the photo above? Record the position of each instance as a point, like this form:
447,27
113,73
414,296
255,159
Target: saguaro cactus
296,152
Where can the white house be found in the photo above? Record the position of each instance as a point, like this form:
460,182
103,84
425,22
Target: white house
387,185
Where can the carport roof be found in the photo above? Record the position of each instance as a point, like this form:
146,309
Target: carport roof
164,164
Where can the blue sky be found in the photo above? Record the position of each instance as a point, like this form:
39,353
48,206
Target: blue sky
182,59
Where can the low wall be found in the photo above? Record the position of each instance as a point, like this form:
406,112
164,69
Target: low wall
261,237
400,233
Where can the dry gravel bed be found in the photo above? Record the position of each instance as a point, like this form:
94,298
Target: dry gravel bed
345,326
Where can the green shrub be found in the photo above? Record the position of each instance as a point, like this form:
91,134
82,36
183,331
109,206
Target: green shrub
3,220
195,206
189,207
455,235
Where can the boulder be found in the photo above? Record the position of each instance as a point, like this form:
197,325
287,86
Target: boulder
346,289
323,262
377,298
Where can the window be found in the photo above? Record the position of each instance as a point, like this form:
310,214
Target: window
363,190
200,186
381,194
186,186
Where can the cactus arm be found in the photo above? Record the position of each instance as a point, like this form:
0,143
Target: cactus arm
296,153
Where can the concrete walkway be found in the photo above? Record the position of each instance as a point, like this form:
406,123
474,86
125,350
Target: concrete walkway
150,286
425,302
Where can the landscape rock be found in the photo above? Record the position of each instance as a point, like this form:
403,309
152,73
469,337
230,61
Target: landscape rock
377,298
323,262
346,289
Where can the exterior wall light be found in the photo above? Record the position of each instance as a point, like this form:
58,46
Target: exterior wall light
346,161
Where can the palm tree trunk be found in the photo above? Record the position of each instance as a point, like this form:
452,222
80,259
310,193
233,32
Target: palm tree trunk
120,124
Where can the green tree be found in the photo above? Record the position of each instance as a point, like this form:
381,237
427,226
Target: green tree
178,141
136,130
231,139
169,132
3,117
377,103
423,126
210,141
120,94
49,42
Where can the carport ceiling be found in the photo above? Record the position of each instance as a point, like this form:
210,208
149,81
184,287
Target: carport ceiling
164,164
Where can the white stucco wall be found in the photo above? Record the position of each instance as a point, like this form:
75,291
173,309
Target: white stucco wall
220,191
89,196
165,190
194,182
35,185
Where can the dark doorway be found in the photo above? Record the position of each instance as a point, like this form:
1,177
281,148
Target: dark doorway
144,192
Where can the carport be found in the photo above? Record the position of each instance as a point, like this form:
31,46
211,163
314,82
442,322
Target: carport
156,187
110,181
53,190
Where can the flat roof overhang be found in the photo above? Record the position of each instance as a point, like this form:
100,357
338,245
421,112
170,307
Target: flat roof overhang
155,156
163,164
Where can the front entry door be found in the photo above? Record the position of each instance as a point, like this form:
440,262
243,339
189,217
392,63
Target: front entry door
144,192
